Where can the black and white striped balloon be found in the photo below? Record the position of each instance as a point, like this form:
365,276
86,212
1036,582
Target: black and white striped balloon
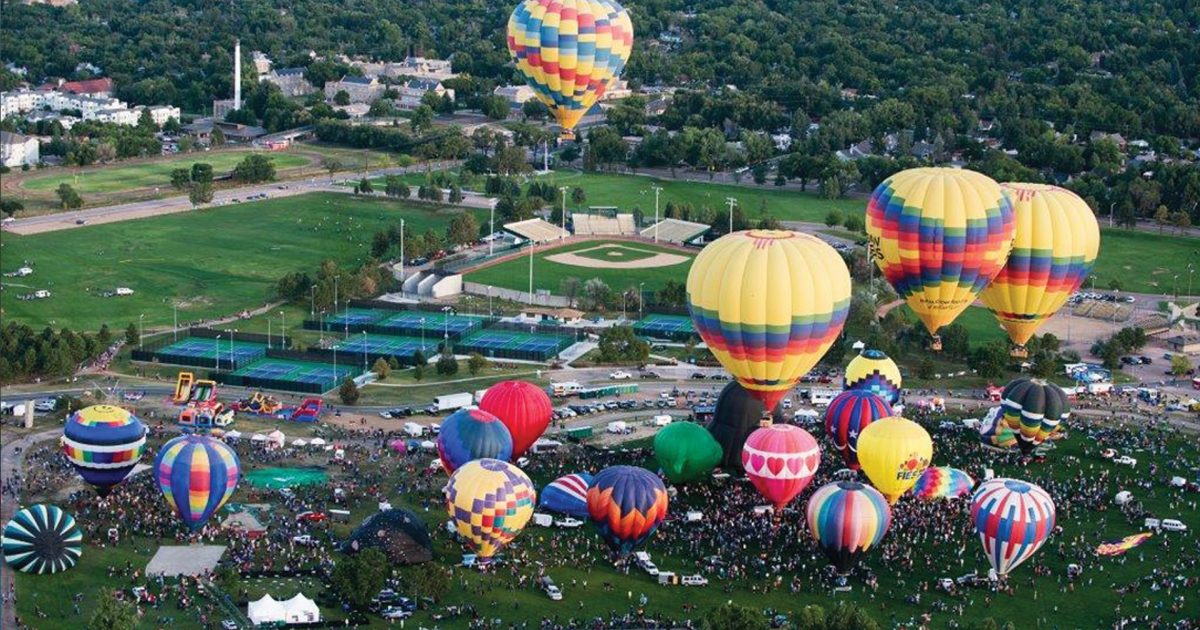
42,539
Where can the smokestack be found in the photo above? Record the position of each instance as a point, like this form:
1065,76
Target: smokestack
237,74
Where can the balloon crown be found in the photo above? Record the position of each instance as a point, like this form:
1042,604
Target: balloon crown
874,354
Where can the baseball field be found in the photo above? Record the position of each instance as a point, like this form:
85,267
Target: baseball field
620,264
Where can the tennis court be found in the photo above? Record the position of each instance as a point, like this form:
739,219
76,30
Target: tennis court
356,317
207,349
386,345
506,344
321,374
673,327
411,323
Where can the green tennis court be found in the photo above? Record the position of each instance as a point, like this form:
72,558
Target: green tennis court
323,374
412,323
208,349
386,344
507,344
356,316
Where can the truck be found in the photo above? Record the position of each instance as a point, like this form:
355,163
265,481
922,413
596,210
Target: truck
579,433
608,390
618,426
451,402
822,397
479,394
412,429
565,388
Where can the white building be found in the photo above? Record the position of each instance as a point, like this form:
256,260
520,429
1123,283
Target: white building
514,94
412,92
17,150
114,115
618,90
361,89
160,114
412,67
102,108
262,63
290,81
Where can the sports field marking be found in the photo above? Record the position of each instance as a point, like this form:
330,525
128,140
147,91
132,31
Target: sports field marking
581,258
615,252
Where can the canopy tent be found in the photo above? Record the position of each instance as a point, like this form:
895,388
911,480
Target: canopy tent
258,437
301,609
234,434
317,441
299,442
429,446
265,611
276,439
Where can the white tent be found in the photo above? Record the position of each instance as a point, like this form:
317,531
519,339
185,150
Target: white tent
301,609
258,437
265,611
1123,497
234,434
317,442
276,439
299,442
429,446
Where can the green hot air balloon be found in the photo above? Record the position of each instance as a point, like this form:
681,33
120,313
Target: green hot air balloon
686,451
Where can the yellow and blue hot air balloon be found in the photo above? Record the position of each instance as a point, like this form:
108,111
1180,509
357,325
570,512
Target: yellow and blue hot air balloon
768,303
570,52
1057,240
103,443
939,235
196,474
875,372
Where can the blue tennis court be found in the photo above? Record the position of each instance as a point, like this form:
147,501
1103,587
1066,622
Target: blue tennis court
411,323
208,349
322,374
508,344
677,327
386,344
356,317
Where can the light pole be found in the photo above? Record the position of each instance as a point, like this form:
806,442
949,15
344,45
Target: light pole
335,294
401,255
217,348
531,271
731,202
364,351
492,235
657,189
312,300
1175,288
563,218
231,348
268,332
1191,270
624,294
445,325
422,322
641,297
282,330
140,317
321,325
175,320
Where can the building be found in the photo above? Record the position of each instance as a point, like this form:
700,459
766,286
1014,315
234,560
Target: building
361,89
618,90
160,114
262,63
412,93
412,67
515,94
1184,343
17,150
354,110
290,81
114,115
101,88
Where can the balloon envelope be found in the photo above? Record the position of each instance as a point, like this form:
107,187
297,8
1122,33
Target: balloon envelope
939,235
489,501
400,534
1033,408
567,495
847,519
1013,518
196,474
685,451
103,443
894,452
524,408
780,460
768,303
942,482
627,504
1055,246
570,52
994,431
874,372
42,539
470,434
736,416
846,417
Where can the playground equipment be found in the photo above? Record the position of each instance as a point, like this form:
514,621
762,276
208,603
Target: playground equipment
202,411
260,404
308,411
183,387
265,405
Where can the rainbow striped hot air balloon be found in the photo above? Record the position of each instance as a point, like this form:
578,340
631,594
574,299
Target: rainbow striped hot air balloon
103,443
1057,240
768,303
939,235
1013,518
874,372
942,482
847,519
627,504
1034,408
570,52
490,502
197,474
846,417
780,460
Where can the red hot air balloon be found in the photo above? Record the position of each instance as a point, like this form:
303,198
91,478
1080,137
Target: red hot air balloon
523,407
780,460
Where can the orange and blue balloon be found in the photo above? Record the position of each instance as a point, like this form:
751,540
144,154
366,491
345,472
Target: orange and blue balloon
103,443
846,417
196,474
847,519
1013,518
942,482
627,504
470,434
780,460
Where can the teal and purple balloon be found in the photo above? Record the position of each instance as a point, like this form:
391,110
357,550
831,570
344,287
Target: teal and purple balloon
470,434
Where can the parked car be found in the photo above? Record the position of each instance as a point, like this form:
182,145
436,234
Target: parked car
305,540
694,580
394,612
229,624
551,589
1126,460
310,516
568,522
620,375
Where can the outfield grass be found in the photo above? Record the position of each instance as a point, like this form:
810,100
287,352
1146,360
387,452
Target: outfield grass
514,274
1145,262
150,174
211,263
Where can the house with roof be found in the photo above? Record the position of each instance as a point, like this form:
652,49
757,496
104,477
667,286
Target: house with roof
101,88
18,150
414,90
290,81
516,95
361,89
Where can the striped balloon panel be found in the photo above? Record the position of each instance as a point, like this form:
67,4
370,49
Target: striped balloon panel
490,501
942,482
1013,518
847,415
847,519
567,495
780,461
196,474
42,539
939,235
1034,409
627,504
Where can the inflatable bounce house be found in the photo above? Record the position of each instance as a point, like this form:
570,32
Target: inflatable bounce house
201,412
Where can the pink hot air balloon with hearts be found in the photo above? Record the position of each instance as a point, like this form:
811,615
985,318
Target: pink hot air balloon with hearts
780,460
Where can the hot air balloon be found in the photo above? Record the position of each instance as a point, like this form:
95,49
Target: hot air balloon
1014,518
490,501
42,539
627,504
567,495
103,443
847,519
1055,247
894,452
685,451
942,482
736,415
768,303
524,408
994,431
196,474
399,533
780,460
570,52
472,434
939,235
874,372
1033,408
846,417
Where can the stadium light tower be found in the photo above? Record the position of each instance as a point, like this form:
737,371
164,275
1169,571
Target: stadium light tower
446,325
641,297
531,271
563,218
731,202
657,189
140,318
217,350
282,330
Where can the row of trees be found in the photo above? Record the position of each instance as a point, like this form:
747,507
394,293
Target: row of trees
26,354
332,281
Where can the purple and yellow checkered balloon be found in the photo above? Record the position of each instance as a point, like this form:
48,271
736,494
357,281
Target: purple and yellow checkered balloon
490,501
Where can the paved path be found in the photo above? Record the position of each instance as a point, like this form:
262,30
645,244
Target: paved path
11,459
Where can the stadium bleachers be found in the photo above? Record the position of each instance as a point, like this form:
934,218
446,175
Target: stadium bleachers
598,225
537,230
676,231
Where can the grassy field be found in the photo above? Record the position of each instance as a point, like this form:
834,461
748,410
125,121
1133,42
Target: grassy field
150,174
1145,262
210,263
514,274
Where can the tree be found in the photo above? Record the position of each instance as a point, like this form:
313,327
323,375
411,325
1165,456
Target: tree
255,168
1181,220
365,186
381,368
578,197
456,194
348,392
342,97
1043,364
990,360
495,107
200,193
673,294
535,109
68,198
849,617
10,207
476,363
569,154
596,294
418,372
853,222
731,616
428,579
833,217
569,287
925,367
1114,284
619,344
462,229
357,579
131,334
217,138
202,172
446,364
332,165
811,617
180,178
113,614
421,118
956,341
1180,365
1162,216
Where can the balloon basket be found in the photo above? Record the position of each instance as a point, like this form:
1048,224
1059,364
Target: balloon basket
1018,352
936,344
566,136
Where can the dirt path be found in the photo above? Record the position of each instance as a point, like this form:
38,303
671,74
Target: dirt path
657,260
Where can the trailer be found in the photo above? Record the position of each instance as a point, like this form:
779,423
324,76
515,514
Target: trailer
452,402
608,390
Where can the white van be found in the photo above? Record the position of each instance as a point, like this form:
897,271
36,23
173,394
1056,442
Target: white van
618,426
542,520
412,429
1173,525
124,291
695,580
662,421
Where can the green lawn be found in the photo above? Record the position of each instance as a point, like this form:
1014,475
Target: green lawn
147,175
212,262
1145,262
514,274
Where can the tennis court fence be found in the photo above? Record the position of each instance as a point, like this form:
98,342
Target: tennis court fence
539,299
240,380
158,350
